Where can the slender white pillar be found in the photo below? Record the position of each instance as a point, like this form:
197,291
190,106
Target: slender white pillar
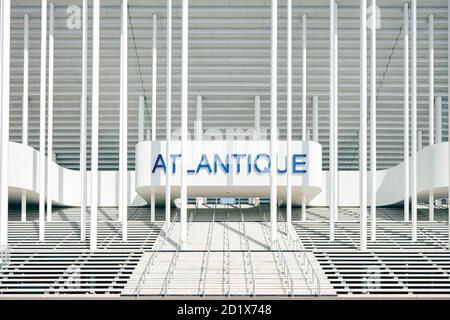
431,102
273,121
448,92
363,125
154,73
406,109
335,125
373,122
333,115
42,121
315,116
257,117
141,114
83,121
184,116
304,77
168,108
199,116
438,118
95,109
414,121
124,120
289,115
51,41
199,135
25,101
5,41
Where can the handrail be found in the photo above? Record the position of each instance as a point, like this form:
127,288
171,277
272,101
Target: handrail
280,258
156,247
205,266
5,256
311,276
171,270
173,262
284,267
248,250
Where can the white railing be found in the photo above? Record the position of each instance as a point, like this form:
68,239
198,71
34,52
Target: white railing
171,270
311,278
173,262
249,255
204,270
283,267
5,256
167,229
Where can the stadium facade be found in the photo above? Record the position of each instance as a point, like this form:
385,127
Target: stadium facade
281,148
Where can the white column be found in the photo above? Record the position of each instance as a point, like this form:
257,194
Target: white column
289,115
335,125
373,122
273,121
414,121
168,109
332,155
406,109
124,121
141,120
42,121
95,108
199,134
51,40
184,116
25,100
304,77
199,116
4,98
448,92
431,102
257,117
438,118
154,72
315,116
83,122
363,125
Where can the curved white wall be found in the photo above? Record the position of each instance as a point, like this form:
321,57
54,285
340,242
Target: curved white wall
24,175
432,164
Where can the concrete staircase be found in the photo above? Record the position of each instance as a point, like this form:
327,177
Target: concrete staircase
228,259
